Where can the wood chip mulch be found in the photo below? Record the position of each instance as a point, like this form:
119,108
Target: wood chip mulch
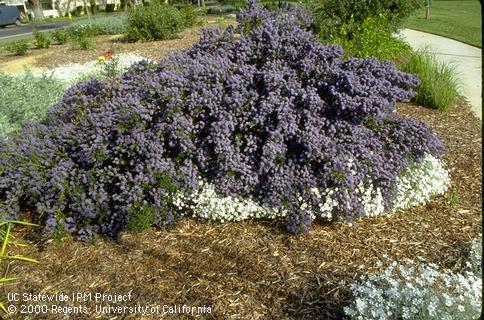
57,55
254,270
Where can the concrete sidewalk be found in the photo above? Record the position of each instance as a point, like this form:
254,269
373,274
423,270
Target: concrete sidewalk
466,59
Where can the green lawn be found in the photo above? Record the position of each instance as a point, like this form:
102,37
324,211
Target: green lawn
459,20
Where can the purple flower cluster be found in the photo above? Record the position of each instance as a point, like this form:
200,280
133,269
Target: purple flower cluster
264,111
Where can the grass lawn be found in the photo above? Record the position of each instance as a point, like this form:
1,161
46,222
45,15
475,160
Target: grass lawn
4,43
459,20
98,14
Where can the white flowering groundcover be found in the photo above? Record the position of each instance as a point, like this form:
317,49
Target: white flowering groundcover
420,291
415,186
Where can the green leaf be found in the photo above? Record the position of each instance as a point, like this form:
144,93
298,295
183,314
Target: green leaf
5,280
25,223
3,308
19,258
5,241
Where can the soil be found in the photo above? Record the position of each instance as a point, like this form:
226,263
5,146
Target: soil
253,269
20,64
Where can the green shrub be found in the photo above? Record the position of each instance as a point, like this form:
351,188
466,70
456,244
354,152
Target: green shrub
189,15
25,97
41,41
111,67
330,14
83,43
271,6
79,34
275,5
156,22
19,47
239,3
140,217
59,36
221,21
372,38
438,87
79,11
110,7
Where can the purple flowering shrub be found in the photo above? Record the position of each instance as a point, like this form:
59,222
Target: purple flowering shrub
265,112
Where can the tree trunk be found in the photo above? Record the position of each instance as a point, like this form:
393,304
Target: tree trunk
93,6
67,7
203,3
58,8
86,10
37,9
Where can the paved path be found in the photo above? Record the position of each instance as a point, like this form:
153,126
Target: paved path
13,31
466,59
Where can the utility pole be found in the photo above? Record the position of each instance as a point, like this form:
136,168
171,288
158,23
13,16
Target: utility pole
427,9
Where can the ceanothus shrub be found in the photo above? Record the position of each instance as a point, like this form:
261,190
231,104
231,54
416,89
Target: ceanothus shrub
263,111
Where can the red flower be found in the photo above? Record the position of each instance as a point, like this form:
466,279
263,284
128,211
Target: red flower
107,54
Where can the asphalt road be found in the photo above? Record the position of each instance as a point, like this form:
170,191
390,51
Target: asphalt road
11,32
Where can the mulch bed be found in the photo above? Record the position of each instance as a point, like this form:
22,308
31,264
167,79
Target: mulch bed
253,270
62,54
57,55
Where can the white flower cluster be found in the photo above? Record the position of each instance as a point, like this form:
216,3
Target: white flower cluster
475,256
76,72
419,182
372,200
415,186
370,197
326,203
206,203
422,292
